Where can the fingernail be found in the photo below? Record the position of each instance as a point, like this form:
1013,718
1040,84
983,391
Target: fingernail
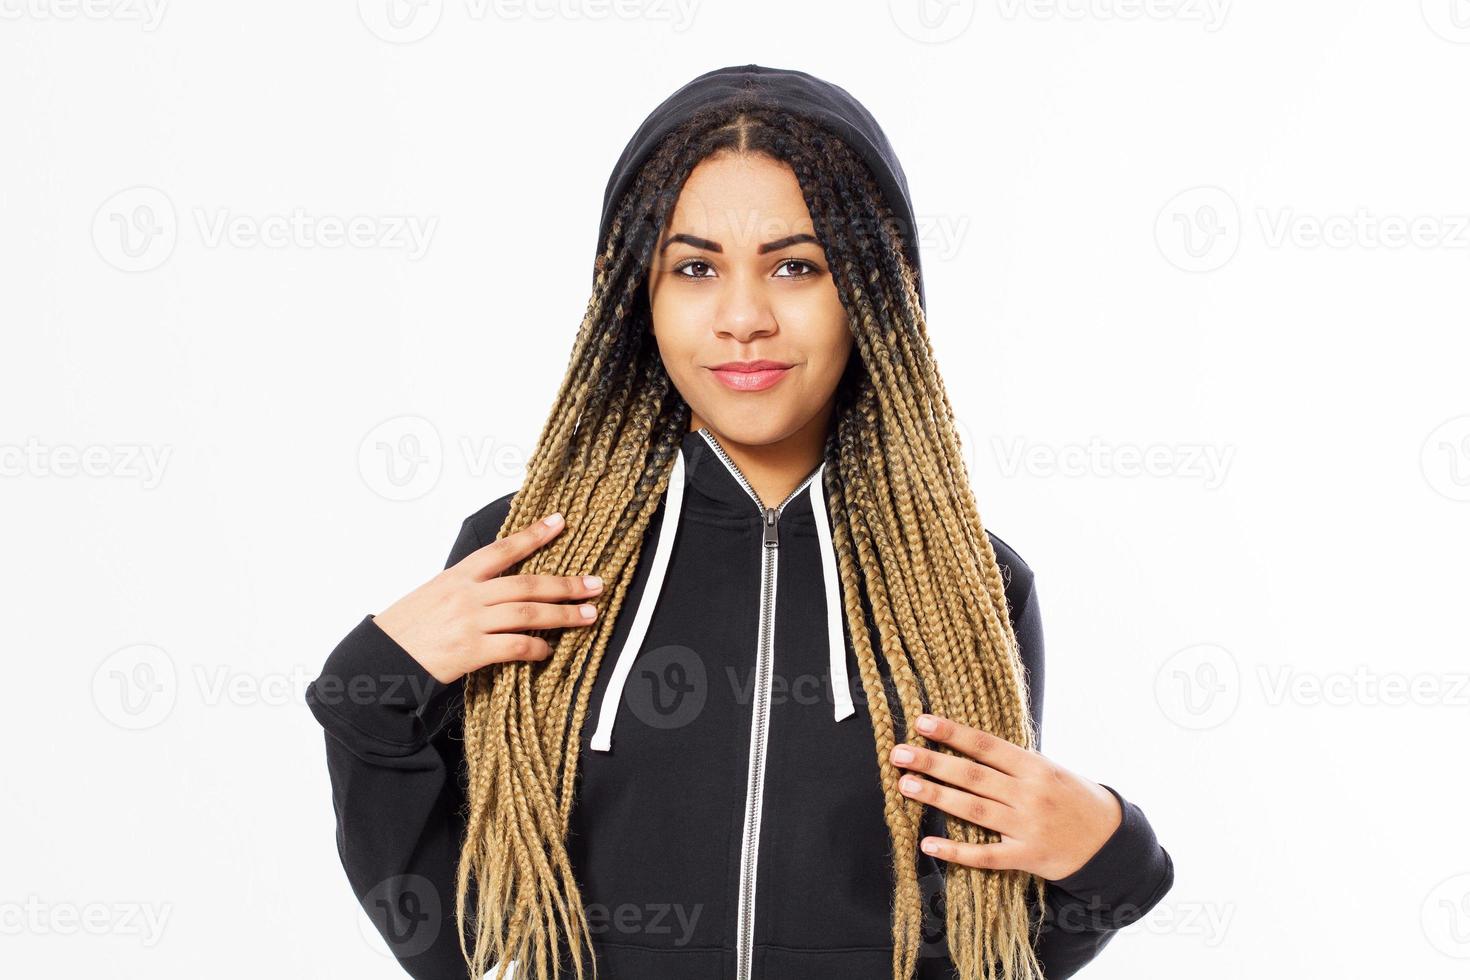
926,723
903,754
909,784
553,520
930,847
592,581
588,611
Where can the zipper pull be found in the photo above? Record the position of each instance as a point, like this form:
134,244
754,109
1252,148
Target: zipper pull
768,536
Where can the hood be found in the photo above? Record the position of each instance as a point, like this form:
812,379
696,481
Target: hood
795,91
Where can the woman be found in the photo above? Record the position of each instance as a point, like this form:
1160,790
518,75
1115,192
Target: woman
814,753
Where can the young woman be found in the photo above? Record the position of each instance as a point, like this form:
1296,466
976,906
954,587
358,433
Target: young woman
790,728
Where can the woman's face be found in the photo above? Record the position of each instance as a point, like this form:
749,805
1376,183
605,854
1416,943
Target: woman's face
739,276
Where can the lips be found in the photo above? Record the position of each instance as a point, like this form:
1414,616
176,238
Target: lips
750,375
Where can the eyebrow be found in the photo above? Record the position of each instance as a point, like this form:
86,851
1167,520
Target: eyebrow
709,246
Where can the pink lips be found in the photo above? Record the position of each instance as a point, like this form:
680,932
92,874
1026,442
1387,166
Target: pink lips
750,376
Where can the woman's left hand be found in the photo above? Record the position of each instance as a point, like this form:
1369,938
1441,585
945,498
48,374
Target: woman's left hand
1051,820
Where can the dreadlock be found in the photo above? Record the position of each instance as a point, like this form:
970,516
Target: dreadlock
915,564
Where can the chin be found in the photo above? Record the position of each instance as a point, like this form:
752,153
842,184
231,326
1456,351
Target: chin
752,425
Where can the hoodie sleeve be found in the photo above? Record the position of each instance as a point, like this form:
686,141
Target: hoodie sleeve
1127,876
395,755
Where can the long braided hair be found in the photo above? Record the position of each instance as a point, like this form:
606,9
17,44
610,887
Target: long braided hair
916,566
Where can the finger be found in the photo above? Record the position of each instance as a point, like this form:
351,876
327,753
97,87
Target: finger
989,748
495,557
520,617
961,772
537,588
1000,856
967,806
498,648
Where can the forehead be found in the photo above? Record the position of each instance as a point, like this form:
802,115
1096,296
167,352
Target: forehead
741,201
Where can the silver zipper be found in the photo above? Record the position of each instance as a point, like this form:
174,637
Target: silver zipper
761,717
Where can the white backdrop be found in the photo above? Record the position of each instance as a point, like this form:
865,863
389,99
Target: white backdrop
288,289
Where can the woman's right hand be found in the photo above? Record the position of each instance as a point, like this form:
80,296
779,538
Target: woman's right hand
470,615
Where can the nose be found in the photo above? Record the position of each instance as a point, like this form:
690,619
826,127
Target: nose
745,310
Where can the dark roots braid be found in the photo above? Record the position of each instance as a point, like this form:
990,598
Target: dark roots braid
917,569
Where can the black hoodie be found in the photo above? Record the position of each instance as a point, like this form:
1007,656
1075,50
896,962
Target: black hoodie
728,817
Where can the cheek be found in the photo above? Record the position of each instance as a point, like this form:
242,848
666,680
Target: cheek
837,340
677,338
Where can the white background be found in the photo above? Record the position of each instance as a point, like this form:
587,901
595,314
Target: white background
1176,229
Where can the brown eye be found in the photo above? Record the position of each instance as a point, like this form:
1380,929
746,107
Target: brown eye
692,263
805,268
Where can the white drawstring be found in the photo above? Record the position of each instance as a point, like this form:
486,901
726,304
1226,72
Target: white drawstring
673,503
836,646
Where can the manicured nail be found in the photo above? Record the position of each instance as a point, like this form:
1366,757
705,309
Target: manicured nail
909,784
592,581
903,754
588,611
554,520
926,723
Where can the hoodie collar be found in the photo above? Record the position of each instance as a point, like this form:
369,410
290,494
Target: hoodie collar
718,485
700,468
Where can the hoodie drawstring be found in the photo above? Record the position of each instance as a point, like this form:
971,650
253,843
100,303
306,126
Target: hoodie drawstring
673,504
836,646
